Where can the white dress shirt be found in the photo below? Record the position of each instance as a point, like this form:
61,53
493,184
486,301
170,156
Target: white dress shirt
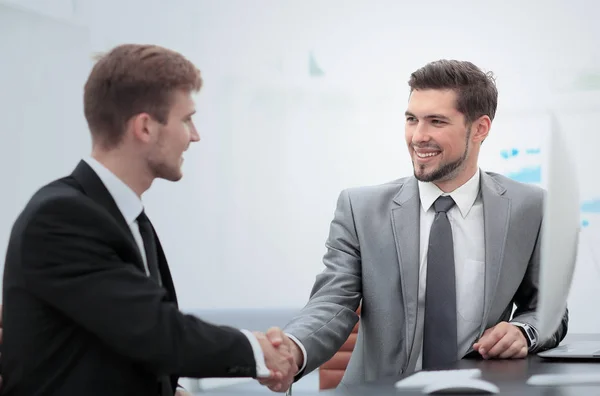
131,206
466,221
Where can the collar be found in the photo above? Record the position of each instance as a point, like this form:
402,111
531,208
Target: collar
464,196
126,199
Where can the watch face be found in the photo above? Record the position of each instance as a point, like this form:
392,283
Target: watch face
530,334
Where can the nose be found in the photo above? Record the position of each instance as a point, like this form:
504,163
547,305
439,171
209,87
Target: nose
420,134
194,136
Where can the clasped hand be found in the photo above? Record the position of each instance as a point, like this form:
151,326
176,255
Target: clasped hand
281,358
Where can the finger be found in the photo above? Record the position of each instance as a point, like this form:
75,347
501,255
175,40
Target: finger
269,383
501,346
511,351
522,353
477,345
488,342
275,335
486,332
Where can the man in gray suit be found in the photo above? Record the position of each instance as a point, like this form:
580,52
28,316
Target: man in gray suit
437,260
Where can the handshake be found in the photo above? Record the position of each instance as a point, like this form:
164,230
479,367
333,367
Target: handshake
283,358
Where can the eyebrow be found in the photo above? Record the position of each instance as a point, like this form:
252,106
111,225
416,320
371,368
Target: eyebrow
429,116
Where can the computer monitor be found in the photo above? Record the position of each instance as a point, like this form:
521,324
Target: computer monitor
560,231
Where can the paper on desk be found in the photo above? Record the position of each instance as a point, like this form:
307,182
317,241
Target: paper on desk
424,378
592,378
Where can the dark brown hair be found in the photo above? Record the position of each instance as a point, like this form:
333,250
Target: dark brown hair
476,93
133,79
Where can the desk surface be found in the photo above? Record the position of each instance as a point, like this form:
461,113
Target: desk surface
509,375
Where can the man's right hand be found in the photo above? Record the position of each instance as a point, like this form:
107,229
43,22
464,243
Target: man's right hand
278,339
280,361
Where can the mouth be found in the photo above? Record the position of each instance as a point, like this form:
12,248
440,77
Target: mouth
426,155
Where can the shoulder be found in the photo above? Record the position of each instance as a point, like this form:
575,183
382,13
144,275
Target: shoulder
378,191
59,202
378,198
516,189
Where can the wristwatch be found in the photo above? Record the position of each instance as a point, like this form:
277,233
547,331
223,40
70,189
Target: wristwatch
529,333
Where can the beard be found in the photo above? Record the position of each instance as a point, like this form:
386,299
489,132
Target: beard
164,170
445,171
159,165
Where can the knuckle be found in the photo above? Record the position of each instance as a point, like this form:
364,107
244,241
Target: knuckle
524,351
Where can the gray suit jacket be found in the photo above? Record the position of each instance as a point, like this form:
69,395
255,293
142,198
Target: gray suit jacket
373,255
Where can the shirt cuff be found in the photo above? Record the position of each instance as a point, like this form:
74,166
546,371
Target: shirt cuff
302,349
261,368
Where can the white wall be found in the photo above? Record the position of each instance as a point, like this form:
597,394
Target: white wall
56,9
44,61
246,226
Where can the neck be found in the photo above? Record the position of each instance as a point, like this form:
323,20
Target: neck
461,178
126,167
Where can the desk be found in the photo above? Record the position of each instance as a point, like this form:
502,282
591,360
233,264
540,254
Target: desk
509,375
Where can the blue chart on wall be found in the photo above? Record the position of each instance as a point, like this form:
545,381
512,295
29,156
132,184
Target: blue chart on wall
532,173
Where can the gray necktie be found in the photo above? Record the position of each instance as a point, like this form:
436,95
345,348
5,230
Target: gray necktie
439,333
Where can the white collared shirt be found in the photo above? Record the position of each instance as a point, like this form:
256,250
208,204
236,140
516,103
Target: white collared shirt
126,199
131,206
466,221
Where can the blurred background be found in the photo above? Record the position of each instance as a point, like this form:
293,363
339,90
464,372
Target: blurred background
301,99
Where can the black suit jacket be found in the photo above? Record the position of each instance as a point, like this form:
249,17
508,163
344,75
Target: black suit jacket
80,314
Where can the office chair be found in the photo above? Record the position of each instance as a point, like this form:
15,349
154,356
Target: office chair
332,371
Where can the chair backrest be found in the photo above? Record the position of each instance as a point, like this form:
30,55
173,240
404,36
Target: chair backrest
332,371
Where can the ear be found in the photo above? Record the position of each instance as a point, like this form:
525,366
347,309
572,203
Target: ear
143,127
480,129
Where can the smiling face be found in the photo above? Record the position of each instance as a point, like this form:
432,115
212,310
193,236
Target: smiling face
442,146
166,154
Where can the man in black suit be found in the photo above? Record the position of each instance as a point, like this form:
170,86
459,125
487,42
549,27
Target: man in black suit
89,303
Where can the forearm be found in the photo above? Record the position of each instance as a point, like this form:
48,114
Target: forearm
326,321
322,331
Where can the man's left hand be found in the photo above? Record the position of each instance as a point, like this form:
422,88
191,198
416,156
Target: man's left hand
503,341
181,392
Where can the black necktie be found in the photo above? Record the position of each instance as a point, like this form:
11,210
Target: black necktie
439,333
149,246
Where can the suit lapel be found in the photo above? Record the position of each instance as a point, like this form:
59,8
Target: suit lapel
405,224
95,189
496,215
